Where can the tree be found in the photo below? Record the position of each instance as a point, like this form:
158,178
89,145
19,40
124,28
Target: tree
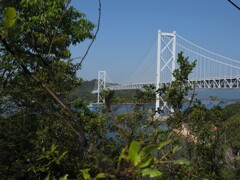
36,77
204,130
44,135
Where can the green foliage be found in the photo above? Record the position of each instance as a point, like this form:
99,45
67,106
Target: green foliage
65,177
151,159
133,152
232,128
47,159
100,176
84,91
176,93
231,110
16,148
85,173
43,135
108,95
206,131
147,95
9,17
152,173
36,78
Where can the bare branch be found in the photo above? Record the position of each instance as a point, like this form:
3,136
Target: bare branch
234,4
78,65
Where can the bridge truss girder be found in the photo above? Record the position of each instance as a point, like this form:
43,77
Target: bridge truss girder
219,83
211,83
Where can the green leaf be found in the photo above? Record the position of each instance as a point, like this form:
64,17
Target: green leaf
182,162
176,148
47,178
145,163
85,173
100,176
144,126
9,17
61,157
151,172
64,177
133,152
147,150
161,145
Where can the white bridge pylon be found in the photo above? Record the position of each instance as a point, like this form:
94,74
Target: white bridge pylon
166,62
213,71
101,86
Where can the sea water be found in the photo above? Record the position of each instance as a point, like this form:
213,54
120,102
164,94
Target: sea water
224,98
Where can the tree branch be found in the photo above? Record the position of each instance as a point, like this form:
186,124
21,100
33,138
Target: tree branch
80,132
234,4
78,65
58,24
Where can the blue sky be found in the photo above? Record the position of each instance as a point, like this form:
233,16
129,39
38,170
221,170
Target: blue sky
128,28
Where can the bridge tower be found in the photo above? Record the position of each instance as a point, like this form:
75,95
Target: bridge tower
166,62
101,85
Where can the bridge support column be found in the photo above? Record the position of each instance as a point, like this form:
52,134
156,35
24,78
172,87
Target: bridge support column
158,71
166,64
101,85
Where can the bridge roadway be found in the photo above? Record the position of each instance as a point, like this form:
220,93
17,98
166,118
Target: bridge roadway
210,83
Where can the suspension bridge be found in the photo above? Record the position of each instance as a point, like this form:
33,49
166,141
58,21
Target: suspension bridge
212,71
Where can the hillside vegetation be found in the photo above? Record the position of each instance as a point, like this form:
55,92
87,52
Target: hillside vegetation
84,92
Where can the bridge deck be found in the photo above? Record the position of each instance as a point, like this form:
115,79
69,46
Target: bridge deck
214,83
